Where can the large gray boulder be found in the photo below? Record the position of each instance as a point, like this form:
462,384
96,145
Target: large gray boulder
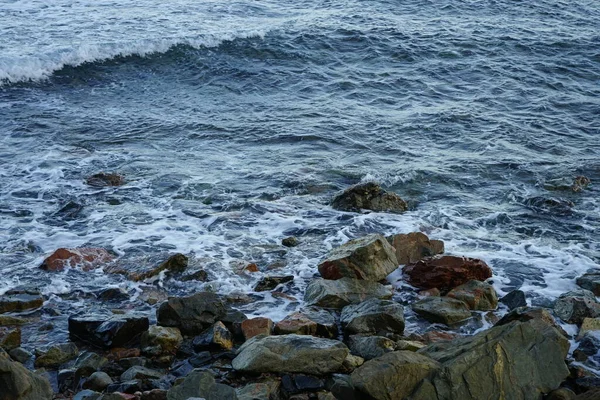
291,354
373,316
341,292
191,314
414,246
368,196
201,384
370,258
18,383
572,307
445,310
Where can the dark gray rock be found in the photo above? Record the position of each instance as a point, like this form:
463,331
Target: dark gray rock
290,241
107,330
339,293
572,307
18,383
142,373
373,316
201,384
20,354
87,395
368,196
444,310
191,314
217,337
514,299
590,281
98,381
271,282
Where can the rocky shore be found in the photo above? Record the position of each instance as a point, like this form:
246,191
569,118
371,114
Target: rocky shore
349,341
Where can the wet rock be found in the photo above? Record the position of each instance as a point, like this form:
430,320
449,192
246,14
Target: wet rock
103,179
576,185
69,211
410,345
113,294
310,321
268,390
477,295
291,354
18,383
572,307
590,281
154,394
370,258
10,338
217,337
443,310
141,373
177,263
393,375
161,341
446,272
373,316
580,183
339,293
20,300
107,330
198,275
88,258
292,384
514,299
553,205
192,314
290,242
98,381
588,325
200,359
588,346
20,354
129,387
56,355
271,282
494,361
87,395
369,347
256,326
368,196
561,394
9,320
201,384
414,246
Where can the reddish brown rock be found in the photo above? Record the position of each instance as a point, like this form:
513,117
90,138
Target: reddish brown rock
414,246
438,336
119,353
296,323
104,179
251,268
87,257
446,272
256,326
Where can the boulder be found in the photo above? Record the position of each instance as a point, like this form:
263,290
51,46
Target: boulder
88,258
201,384
310,321
369,347
176,263
445,272
10,338
514,299
444,310
271,282
290,354
256,326
105,179
20,354
588,325
161,341
394,375
368,196
370,258
191,314
477,295
414,246
339,293
107,330
590,281
138,372
290,241
217,337
18,383
56,355
373,316
98,381
572,307
17,300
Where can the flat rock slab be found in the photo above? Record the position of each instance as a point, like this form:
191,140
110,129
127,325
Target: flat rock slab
368,196
373,316
339,293
191,314
414,246
444,310
291,354
370,258
107,330
17,301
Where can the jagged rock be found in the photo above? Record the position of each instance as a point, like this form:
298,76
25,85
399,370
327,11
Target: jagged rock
191,314
394,375
368,196
139,372
105,179
161,341
18,383
10,338
572,307
107,330
88,258
310,321
410,345
271,282
176,263
414,246
291,354
588,346
259,391
373,316
56,355
98,381
20,300
369,347
339,293
590,281
445,310
155,394
552,205
351,363
514,299
290,242
370,258
215,337
201,384
476,295
446,272
256,326
128,387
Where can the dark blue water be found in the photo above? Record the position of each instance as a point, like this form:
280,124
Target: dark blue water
235,123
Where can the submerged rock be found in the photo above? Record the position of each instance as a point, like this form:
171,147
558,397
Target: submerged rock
176,263
373,316
291,354
572,307
105,179
446,272
87,258
271,282
191,314
414,246
445,310
339,293
18,383
476,295
107,330
370,258
368,196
